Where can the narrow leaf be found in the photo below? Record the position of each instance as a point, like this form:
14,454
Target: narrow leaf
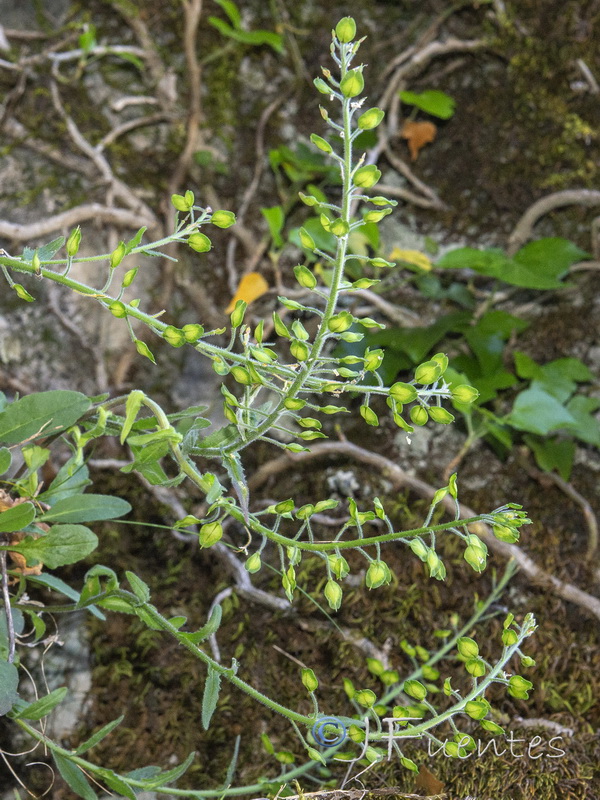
74,777
9,680
99,735
42,707
210,697
86,508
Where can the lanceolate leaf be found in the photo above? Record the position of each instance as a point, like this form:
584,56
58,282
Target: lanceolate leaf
74,777
99,735
86,508
211,695
42,707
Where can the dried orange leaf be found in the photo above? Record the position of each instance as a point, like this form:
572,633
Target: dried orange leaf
252,286
417,134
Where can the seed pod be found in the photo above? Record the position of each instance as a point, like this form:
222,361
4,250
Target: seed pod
428,372
73,242
352,83
309,679
253,564
345,30
370,119
199,242
439,414
117,255
174,336
192,332
366,177
321,143
210,534
333,594
223,219
403,392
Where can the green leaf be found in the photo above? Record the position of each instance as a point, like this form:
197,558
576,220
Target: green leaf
42,707
275,218
256,38
63,544
433,102
74,777
140,589
232,12
135,241
536,411
9,680
46,251
86,508
116,783
586,427
548,260
72,478
211,695
207,630
17,517
5,460
40,415
99,735
553,453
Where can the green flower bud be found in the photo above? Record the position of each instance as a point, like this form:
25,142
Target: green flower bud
468,648
381,263
340,322
345,30
144,350
223,219
117,309
339,566
366,177
117,255
419,548
382,201
314,755
305,277
339,228
439,414
306,239
199,242
22,293
174,336
373,360
73,242
192,332
418,415
519,687
509,637
299,330
253,564
475,558
505,534
527,661
210,534
436,566
321,143
370,119
182,203
464,394
322,87
241,375
333,594
284,507
475,667
129,277
366,698
299,350
309,422
415,689
309,680
308,199
305,511
294,403
369,416
428,372
403,392
376,216
352,83
280,327
378,574
237,315
490,726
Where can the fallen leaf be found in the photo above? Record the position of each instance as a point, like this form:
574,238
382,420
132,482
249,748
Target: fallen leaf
427,781
417,134
252,286
414,257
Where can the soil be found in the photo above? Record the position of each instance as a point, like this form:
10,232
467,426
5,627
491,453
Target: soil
525,125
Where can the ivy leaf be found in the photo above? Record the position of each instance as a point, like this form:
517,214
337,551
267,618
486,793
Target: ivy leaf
210,697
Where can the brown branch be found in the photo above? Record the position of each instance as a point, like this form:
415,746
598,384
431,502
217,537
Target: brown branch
523,230
398,476
67,219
